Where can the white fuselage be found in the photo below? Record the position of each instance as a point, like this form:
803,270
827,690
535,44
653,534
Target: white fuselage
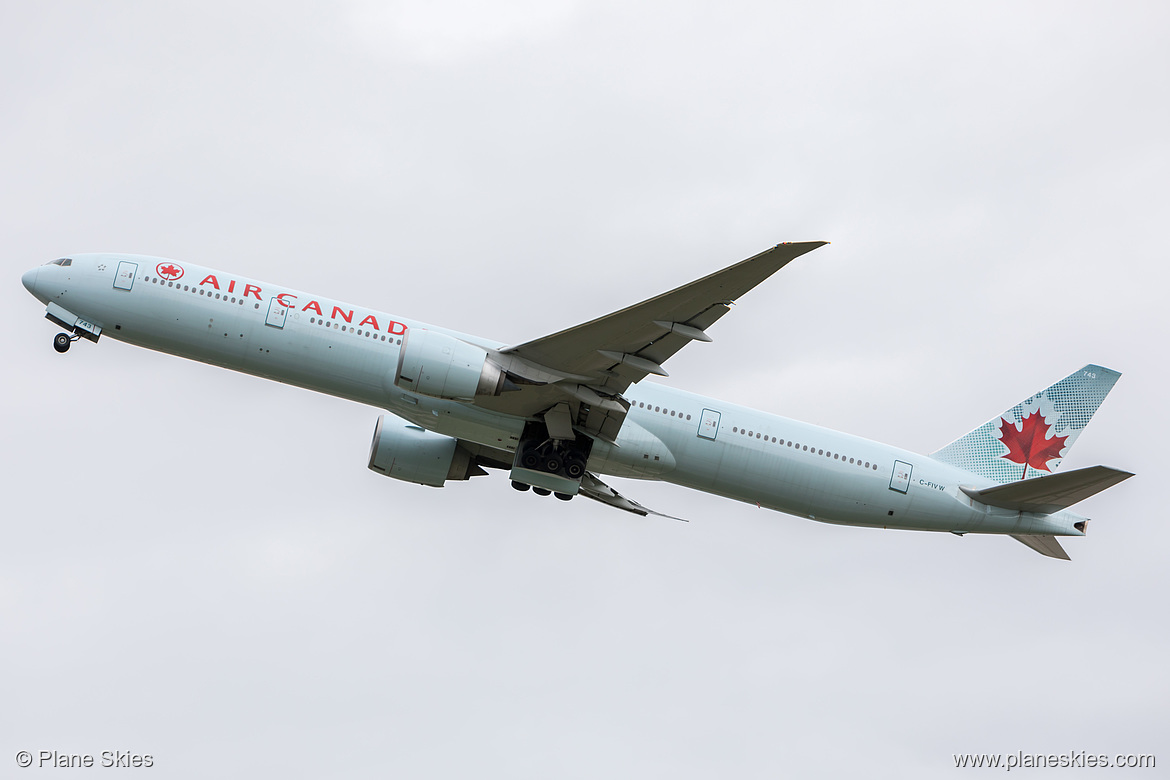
670,435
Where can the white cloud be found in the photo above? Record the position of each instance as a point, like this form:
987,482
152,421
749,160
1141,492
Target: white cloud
452,31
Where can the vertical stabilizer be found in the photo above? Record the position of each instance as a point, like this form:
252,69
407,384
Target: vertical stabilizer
1033,437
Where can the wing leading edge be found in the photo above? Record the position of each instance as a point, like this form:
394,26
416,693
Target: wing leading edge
590,365
654,329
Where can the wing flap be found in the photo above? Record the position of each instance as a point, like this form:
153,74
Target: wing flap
592,487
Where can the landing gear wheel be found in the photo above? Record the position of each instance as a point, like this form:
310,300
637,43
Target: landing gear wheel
563,496
61,342
521,486
541,491
530,460
552,465
574,469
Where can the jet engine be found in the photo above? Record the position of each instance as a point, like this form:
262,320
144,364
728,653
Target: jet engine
413,454
442,366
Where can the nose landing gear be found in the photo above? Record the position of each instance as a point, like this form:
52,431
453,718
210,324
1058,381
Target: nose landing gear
62,341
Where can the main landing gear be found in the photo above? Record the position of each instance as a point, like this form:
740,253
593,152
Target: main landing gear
62,341
522,486
564,459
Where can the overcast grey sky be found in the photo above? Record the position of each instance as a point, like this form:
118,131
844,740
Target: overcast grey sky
197,564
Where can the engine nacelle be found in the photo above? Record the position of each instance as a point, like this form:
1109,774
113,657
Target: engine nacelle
442,366
412,454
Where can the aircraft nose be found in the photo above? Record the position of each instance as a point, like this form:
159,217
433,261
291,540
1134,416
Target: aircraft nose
30,280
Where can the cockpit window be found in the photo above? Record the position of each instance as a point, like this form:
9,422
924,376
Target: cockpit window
62,262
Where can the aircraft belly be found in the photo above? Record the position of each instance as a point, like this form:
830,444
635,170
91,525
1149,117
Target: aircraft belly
340,365
742,474
199,329
234,336
462,421
337,365
639,454
831,492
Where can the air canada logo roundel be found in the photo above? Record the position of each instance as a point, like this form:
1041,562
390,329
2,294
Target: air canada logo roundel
1029,445
169,271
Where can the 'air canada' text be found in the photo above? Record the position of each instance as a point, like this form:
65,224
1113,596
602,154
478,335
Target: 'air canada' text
289,300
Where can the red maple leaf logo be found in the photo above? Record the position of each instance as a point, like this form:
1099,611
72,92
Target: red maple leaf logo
1029,445
169,271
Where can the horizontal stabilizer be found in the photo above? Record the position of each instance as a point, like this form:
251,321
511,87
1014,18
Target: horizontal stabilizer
1049,494
1045,545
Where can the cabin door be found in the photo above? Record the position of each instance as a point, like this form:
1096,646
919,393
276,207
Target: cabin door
124,279
900,478
709,424
277,313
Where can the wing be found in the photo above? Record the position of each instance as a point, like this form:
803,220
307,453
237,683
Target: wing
589,366
592,487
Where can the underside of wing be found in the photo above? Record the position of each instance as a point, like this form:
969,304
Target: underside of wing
592,487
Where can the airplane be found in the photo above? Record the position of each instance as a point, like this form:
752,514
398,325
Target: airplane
562,411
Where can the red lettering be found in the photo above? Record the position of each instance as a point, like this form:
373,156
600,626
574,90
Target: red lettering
212,279
369,319
232,286
251,289
312,306
345,315
287,304
395,328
